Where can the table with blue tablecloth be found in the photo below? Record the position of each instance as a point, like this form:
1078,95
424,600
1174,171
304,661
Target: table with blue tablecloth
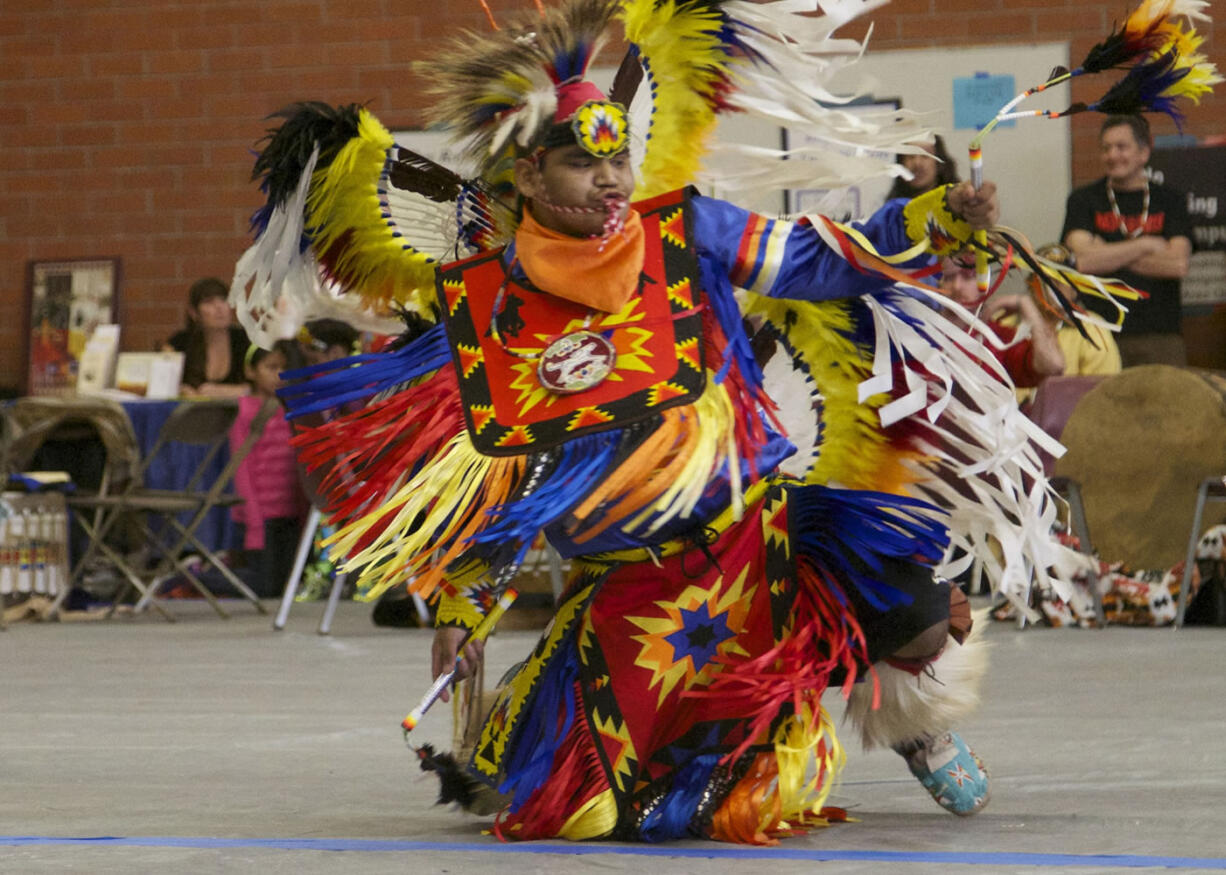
175,464
99,442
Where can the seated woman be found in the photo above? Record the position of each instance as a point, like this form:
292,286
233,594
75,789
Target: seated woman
930,170
212,345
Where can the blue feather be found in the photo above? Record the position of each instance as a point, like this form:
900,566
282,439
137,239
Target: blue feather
1141,89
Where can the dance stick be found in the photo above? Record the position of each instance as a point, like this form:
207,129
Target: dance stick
440,683
983,271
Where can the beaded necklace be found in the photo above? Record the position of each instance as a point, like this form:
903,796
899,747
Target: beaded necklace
580,359
1115,208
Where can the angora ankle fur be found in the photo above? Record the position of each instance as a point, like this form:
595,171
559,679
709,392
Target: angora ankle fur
945,693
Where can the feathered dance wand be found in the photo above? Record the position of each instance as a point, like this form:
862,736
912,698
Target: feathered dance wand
1163,64
441,682
455,785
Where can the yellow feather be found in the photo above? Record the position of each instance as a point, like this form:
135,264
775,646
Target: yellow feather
1201,74
343,206
854,451
683,61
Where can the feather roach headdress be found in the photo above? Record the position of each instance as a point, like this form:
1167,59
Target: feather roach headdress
507,93
355,225
521,88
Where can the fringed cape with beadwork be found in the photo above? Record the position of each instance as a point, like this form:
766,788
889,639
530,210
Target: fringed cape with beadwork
356,226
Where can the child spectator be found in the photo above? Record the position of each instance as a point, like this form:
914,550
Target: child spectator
274,505
326,340
1027,361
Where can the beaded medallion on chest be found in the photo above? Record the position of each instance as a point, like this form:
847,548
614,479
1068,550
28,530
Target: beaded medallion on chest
536,370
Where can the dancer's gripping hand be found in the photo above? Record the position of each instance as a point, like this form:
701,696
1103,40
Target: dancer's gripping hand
980,208
443,652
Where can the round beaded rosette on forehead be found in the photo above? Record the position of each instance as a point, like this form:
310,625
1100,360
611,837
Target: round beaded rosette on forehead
601,128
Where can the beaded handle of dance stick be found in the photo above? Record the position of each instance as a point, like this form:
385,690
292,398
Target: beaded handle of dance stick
983,271
440,683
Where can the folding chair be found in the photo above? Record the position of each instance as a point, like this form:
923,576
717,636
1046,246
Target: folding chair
1211,489
81,423
204,425
334,592
295,579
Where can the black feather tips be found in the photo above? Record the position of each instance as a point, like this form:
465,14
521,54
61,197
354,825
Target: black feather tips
454,784
282,160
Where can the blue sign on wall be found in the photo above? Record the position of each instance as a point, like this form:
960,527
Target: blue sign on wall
978,98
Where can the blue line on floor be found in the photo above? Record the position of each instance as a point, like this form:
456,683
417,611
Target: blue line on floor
714,851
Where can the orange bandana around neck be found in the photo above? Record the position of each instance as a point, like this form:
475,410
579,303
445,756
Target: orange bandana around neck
577,269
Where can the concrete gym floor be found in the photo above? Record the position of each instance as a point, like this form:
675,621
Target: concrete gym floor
209,745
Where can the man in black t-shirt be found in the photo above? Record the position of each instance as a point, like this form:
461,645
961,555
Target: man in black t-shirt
1126,227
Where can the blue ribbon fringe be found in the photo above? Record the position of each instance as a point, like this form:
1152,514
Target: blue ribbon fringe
671,818
581,465
350,379
535,741
870,525
723,303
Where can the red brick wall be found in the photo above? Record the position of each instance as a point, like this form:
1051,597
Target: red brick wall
128,131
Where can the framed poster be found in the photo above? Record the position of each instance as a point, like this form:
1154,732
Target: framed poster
65,301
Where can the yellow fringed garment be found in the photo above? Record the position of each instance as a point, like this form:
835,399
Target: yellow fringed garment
668,473
855,451
455,492
784,791
809,758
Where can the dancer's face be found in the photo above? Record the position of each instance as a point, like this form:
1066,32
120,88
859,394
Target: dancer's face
571,191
